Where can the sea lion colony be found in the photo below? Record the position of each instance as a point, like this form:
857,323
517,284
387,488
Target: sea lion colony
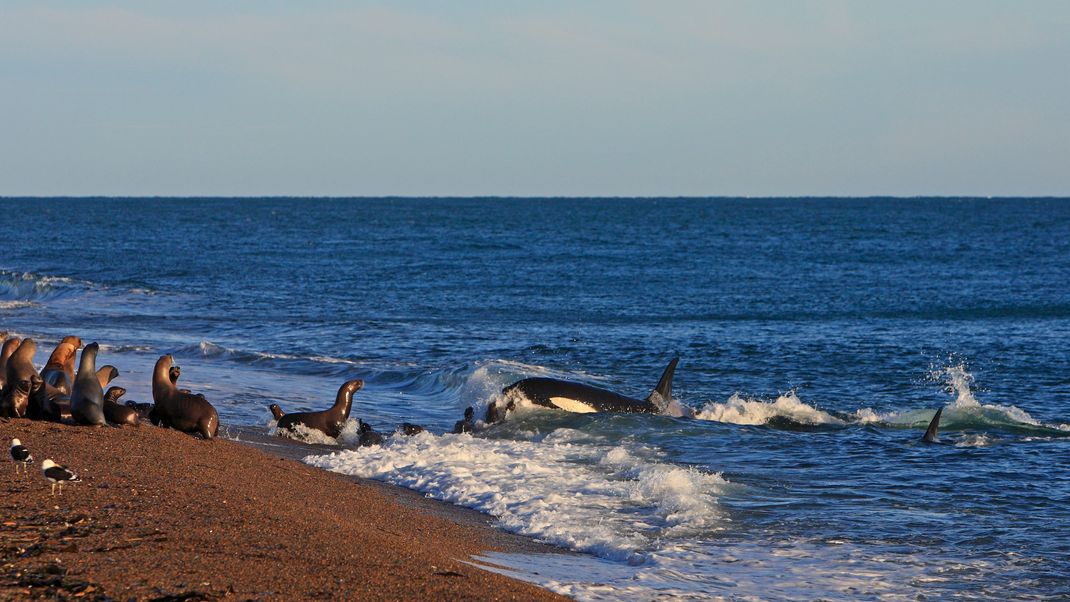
60,393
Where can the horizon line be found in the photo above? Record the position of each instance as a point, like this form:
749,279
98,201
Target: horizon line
536,197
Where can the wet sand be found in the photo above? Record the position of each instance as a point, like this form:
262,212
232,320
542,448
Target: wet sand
162,515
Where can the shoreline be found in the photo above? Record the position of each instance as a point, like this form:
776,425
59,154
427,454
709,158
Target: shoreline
290,449
162,515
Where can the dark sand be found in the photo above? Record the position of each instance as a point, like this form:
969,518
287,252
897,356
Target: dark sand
161,515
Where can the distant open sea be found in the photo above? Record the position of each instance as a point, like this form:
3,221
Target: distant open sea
817,337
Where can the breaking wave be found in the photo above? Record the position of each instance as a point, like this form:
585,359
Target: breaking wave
564,489
787,407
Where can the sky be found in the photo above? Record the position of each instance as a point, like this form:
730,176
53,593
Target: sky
550,98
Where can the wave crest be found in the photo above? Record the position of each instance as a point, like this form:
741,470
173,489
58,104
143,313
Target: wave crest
740,410
610,502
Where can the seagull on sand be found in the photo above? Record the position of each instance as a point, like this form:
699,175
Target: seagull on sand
58,475
20,455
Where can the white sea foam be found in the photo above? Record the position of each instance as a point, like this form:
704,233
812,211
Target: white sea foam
964,410
782,570
350,434
870,416
17,304
978,440
105,348
565,489
209,349
740,410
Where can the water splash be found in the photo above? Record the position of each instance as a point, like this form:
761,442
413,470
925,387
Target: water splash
350,435
958,381
740,410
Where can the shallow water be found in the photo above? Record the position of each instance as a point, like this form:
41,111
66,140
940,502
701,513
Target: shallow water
817,338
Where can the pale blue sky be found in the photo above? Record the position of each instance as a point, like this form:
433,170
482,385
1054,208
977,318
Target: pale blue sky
614,98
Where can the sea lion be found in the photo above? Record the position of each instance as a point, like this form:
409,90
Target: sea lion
87,396
495,415
181,411
173,374
143,409
115,413
331,421
106,374
409,429
276,411
57,407
72,340
468,424
16,399
10,345
39,395
368,436
21,377
59,369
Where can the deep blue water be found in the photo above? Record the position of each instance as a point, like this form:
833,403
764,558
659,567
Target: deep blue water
816,337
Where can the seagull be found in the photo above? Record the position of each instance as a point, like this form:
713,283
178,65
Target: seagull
20,455
58,475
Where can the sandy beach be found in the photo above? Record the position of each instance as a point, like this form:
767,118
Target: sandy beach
160,515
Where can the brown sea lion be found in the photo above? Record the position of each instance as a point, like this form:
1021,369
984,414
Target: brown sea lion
181,411
496,415
9,347
21,376
468,424
276,411
16,399
87,396
118,414
59,369
38,400
173,374
368,436
409,429
329,422
57,407
144,410
106,374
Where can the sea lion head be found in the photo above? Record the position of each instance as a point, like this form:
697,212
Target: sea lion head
26,350
410,429
72,340
10,346
276,411
36,382
106,374
24,386
174,372
353,385
469,413
66,352
114,393
161,382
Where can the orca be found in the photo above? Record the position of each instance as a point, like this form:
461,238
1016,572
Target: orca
932,434
584,399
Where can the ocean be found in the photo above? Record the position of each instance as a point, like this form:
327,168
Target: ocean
816,338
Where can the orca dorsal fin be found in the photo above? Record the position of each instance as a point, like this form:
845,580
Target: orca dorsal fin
662,394
932,434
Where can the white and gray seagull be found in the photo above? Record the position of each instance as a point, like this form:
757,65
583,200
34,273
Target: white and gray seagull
20,455
58,475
